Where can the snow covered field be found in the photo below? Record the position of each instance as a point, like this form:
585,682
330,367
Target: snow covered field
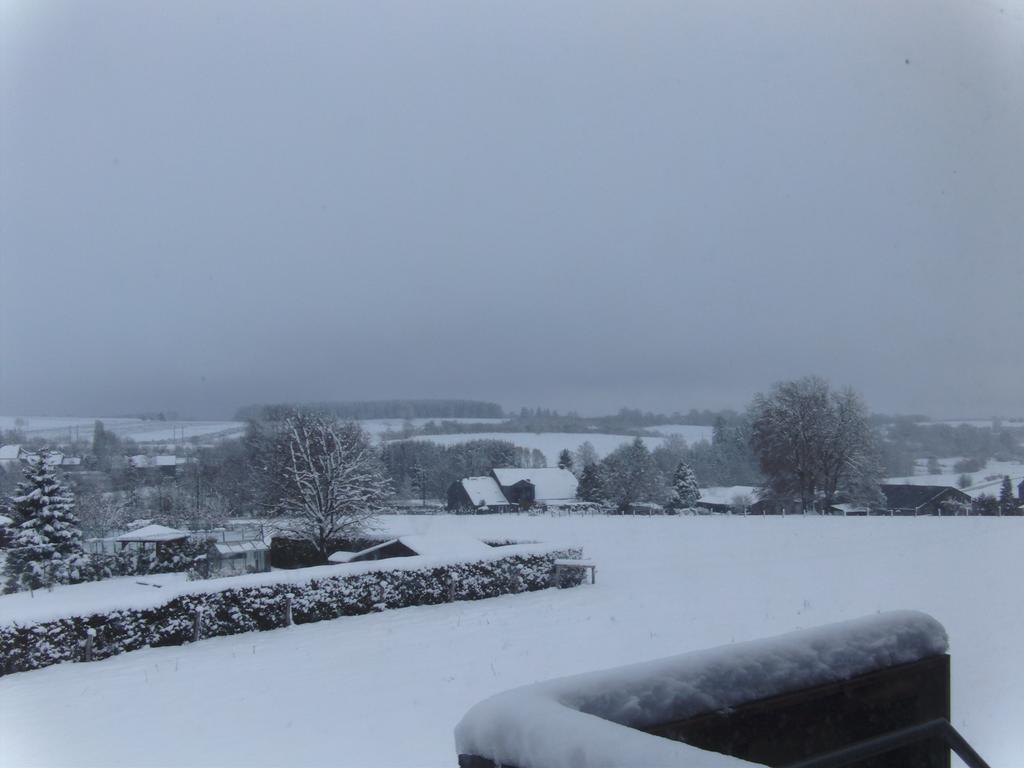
549,443
387,689
67,428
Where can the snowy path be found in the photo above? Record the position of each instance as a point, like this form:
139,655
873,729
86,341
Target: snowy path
387,689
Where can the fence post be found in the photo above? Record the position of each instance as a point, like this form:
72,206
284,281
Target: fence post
90,634
288,610
197,625
451,589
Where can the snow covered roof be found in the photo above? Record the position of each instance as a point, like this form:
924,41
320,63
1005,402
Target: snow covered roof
153,533
10,451
341,556
165,461
596,718
484,491
5,521
71,461
550,483
914,496
235,547
452,545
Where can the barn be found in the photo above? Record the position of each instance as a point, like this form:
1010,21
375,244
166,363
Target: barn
920,499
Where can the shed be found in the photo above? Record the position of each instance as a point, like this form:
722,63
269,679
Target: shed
236,557
429,545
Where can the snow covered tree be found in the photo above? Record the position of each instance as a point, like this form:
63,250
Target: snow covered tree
565,459
590,488
1007,504
332,483
47,543
629,474
583,457
684,492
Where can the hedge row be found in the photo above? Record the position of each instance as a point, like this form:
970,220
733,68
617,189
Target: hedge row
248,609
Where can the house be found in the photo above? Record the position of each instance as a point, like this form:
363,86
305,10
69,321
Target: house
235,558
526,487
920,499
479,494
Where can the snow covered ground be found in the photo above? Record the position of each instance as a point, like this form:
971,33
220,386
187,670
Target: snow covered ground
549,443
387,689
66,428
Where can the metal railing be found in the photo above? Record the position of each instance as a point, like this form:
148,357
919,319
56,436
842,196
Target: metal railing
905,737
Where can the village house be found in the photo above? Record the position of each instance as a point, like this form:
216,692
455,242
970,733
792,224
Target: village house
508,489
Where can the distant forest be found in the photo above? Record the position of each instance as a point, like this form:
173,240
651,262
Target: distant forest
378,409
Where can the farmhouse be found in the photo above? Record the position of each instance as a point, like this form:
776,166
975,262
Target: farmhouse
920,499
508,489
480,494
550,486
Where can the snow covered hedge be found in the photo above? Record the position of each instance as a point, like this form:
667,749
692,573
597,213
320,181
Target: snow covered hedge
262,606
594,719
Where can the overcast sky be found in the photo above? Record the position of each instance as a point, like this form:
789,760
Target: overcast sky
573,204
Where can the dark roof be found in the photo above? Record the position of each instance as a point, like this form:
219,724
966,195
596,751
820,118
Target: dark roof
914,496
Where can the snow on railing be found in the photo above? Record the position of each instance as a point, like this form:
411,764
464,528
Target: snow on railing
594,719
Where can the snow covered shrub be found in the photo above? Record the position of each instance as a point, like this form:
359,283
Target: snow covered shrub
262,607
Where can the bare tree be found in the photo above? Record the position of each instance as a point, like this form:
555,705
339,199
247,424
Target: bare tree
332,484
815,444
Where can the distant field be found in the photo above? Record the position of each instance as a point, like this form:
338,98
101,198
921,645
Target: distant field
381,426
549,443
67,428
689,432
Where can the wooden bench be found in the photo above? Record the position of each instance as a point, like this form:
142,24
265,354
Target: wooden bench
568,565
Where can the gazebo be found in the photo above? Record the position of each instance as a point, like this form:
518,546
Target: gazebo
151,536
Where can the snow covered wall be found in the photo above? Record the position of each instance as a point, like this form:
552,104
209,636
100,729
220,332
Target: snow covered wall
591,720
257,602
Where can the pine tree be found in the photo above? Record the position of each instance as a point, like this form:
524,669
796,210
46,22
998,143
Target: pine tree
590,487
685,491
565,460
47,543
1006,500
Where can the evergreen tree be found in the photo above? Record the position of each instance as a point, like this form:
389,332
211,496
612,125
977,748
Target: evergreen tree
1007,504
685,491
629,474
565,460
590,487
47,543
